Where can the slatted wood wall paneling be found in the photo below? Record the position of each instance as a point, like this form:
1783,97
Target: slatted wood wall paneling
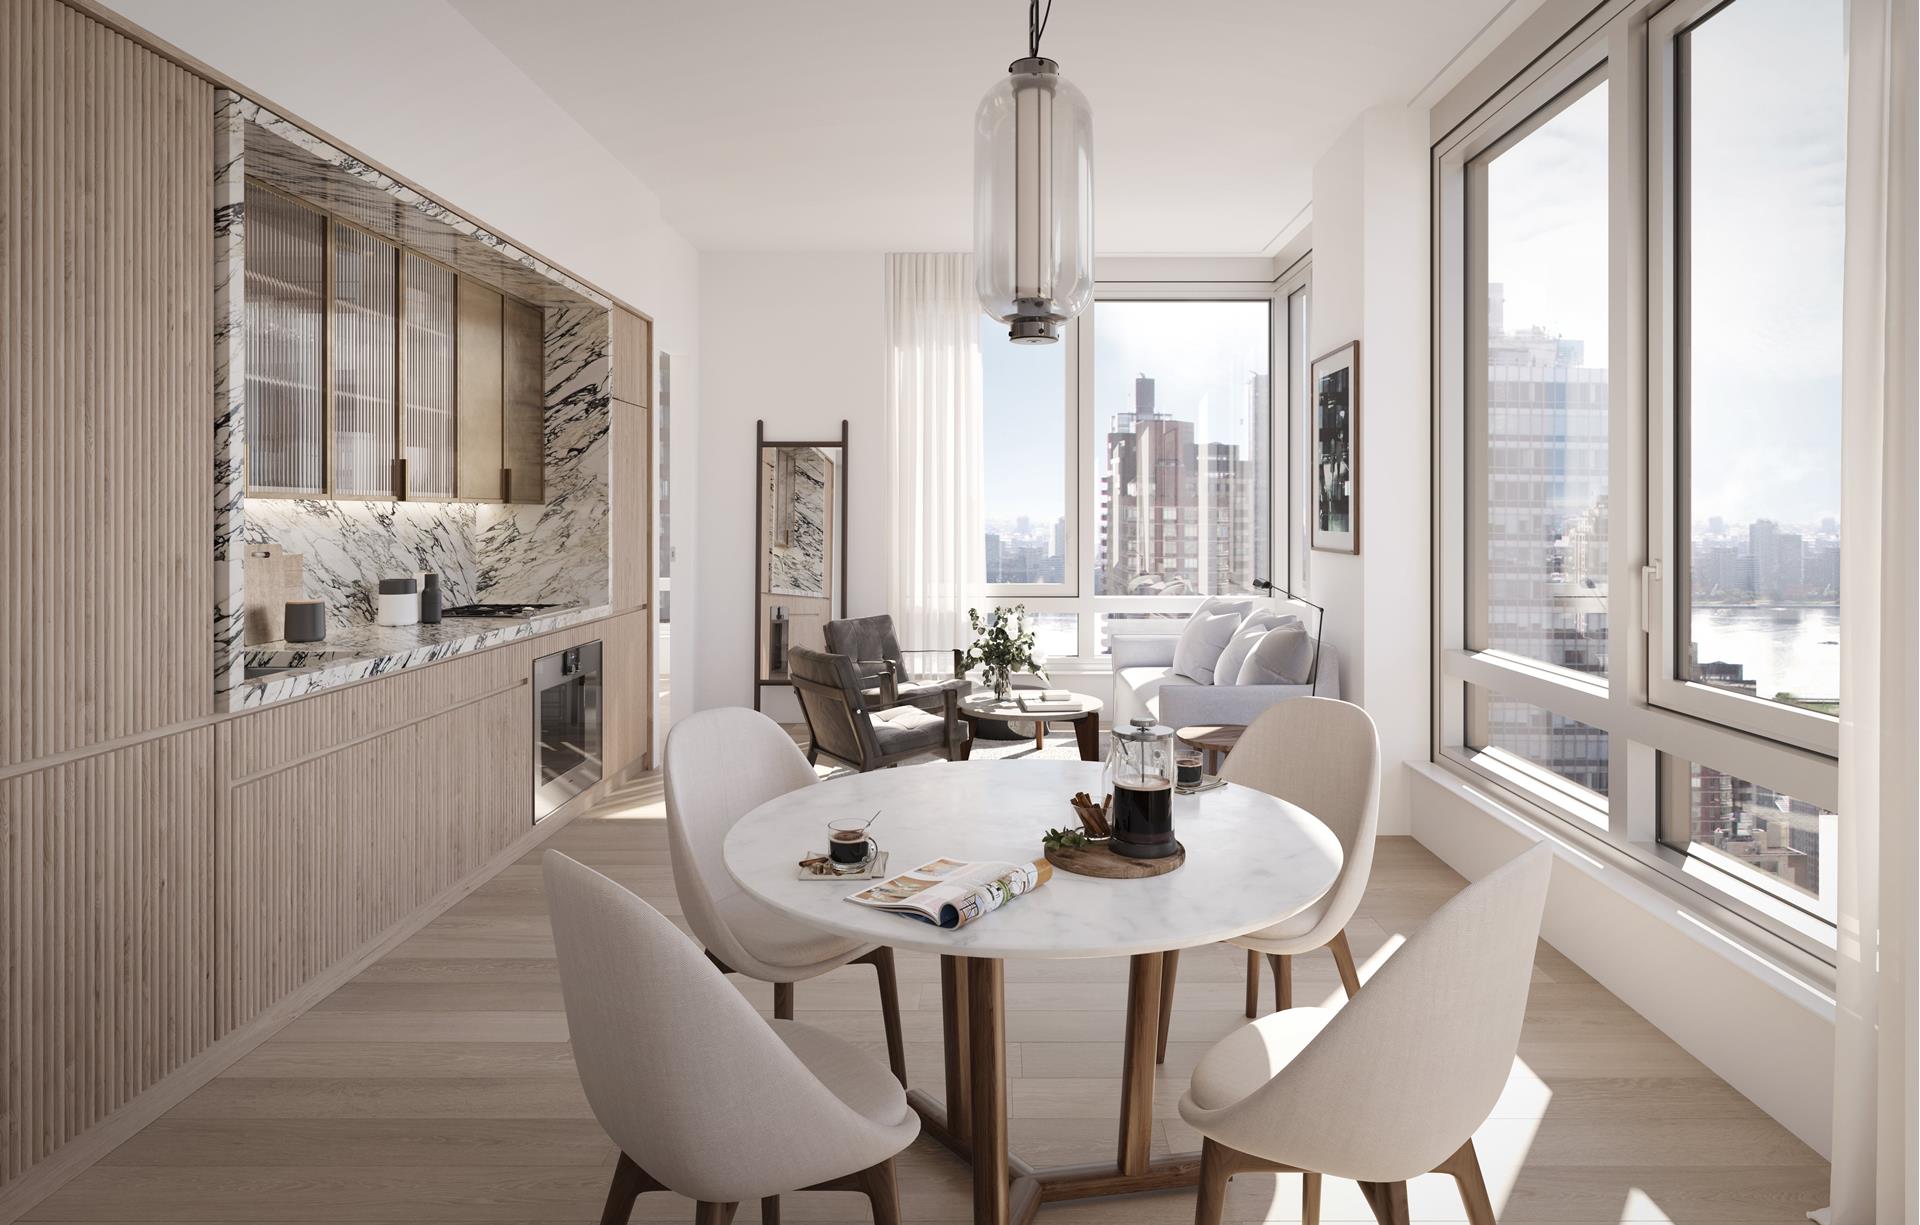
106,516
350,810
107,942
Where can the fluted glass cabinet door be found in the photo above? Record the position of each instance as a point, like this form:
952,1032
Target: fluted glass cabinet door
286,290
427,323
478,395
365,352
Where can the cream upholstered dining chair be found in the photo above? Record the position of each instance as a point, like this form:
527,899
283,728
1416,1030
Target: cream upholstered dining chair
704,1097
1323,755
722,764
1392,1084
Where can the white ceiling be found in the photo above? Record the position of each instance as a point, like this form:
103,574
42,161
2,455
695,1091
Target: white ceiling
812,125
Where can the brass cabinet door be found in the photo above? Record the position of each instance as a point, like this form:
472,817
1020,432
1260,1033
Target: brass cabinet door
524,450
479,395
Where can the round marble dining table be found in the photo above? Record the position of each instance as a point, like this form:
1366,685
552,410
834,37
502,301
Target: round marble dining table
1253,860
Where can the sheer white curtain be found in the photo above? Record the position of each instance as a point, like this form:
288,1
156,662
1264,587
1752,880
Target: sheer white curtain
935,543
1876,1139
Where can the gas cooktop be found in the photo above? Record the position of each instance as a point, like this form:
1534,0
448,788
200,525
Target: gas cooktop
495,610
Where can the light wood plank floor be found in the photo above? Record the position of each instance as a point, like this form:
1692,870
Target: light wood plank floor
437,1086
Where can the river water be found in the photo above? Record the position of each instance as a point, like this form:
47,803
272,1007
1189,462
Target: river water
1795,650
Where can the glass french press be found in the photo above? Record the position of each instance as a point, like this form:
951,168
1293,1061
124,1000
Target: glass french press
1139,775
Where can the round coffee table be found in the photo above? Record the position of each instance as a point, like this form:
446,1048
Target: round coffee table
1216,740
982,707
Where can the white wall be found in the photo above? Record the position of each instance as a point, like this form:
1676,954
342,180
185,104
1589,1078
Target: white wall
416,87
1370,226
800,340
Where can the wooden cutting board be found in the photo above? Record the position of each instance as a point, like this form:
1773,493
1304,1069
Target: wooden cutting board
271,578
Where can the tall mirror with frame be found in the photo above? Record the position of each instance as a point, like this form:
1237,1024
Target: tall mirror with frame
800,553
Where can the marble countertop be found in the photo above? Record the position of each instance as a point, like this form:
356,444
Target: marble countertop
1252,861
358,652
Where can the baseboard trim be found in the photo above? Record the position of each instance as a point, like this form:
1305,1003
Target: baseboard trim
78,1155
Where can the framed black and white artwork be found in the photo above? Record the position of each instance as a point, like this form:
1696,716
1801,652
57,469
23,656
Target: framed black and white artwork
1335,455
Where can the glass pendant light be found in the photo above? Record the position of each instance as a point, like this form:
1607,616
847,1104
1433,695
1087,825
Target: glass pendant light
1033,196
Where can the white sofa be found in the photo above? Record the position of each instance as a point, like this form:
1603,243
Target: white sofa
1146,686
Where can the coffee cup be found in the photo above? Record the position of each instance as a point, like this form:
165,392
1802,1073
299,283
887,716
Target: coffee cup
849,849
1187,768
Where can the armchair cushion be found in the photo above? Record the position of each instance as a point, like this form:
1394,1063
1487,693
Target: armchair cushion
902,728
866,638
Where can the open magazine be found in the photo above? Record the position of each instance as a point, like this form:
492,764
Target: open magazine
953,892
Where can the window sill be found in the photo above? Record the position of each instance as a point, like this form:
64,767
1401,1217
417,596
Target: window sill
1786,965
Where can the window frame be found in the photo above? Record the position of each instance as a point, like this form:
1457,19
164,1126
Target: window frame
1641,818
1669,545
1077,597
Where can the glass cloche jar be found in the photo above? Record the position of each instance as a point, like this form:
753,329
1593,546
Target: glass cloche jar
1140,775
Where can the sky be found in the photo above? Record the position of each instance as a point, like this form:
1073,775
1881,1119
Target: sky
1768,106
1200,355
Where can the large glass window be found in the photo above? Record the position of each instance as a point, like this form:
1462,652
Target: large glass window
1180,447
1694,228
1027,477
1761,170
1543,457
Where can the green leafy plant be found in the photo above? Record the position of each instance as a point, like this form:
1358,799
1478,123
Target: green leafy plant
1004,643
1059,839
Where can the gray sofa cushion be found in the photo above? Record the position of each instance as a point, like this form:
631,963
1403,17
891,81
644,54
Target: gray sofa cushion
1202,640
1284,656
1226,671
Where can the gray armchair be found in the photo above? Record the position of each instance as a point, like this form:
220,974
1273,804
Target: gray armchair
874,646
844,725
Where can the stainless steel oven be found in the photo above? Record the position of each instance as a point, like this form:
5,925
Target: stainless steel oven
566,726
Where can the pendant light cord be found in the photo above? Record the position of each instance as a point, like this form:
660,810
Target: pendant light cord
1036,25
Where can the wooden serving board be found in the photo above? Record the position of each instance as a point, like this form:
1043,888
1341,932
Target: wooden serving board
1099,859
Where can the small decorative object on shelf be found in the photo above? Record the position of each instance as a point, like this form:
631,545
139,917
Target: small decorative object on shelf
1003,644
1140,772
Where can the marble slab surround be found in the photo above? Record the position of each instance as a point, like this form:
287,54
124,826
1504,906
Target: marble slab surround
555,553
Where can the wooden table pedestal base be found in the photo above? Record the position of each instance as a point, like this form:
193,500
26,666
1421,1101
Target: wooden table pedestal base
973,1120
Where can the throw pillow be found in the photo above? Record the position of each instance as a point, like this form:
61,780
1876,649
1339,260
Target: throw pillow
1204,637
1284,656
1245,638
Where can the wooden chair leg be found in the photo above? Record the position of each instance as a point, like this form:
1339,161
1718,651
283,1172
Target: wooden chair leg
1216,1167
882,1191
1464,1165
1343,958
629,1180
770,1210
714,1214
783,1001
1388,1200
1253,983
1310,1198
1169,965
1282,980
881,959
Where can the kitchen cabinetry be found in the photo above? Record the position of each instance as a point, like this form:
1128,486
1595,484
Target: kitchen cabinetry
363,358
632,357
477,396
286,292
523,451
361,354
426,376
